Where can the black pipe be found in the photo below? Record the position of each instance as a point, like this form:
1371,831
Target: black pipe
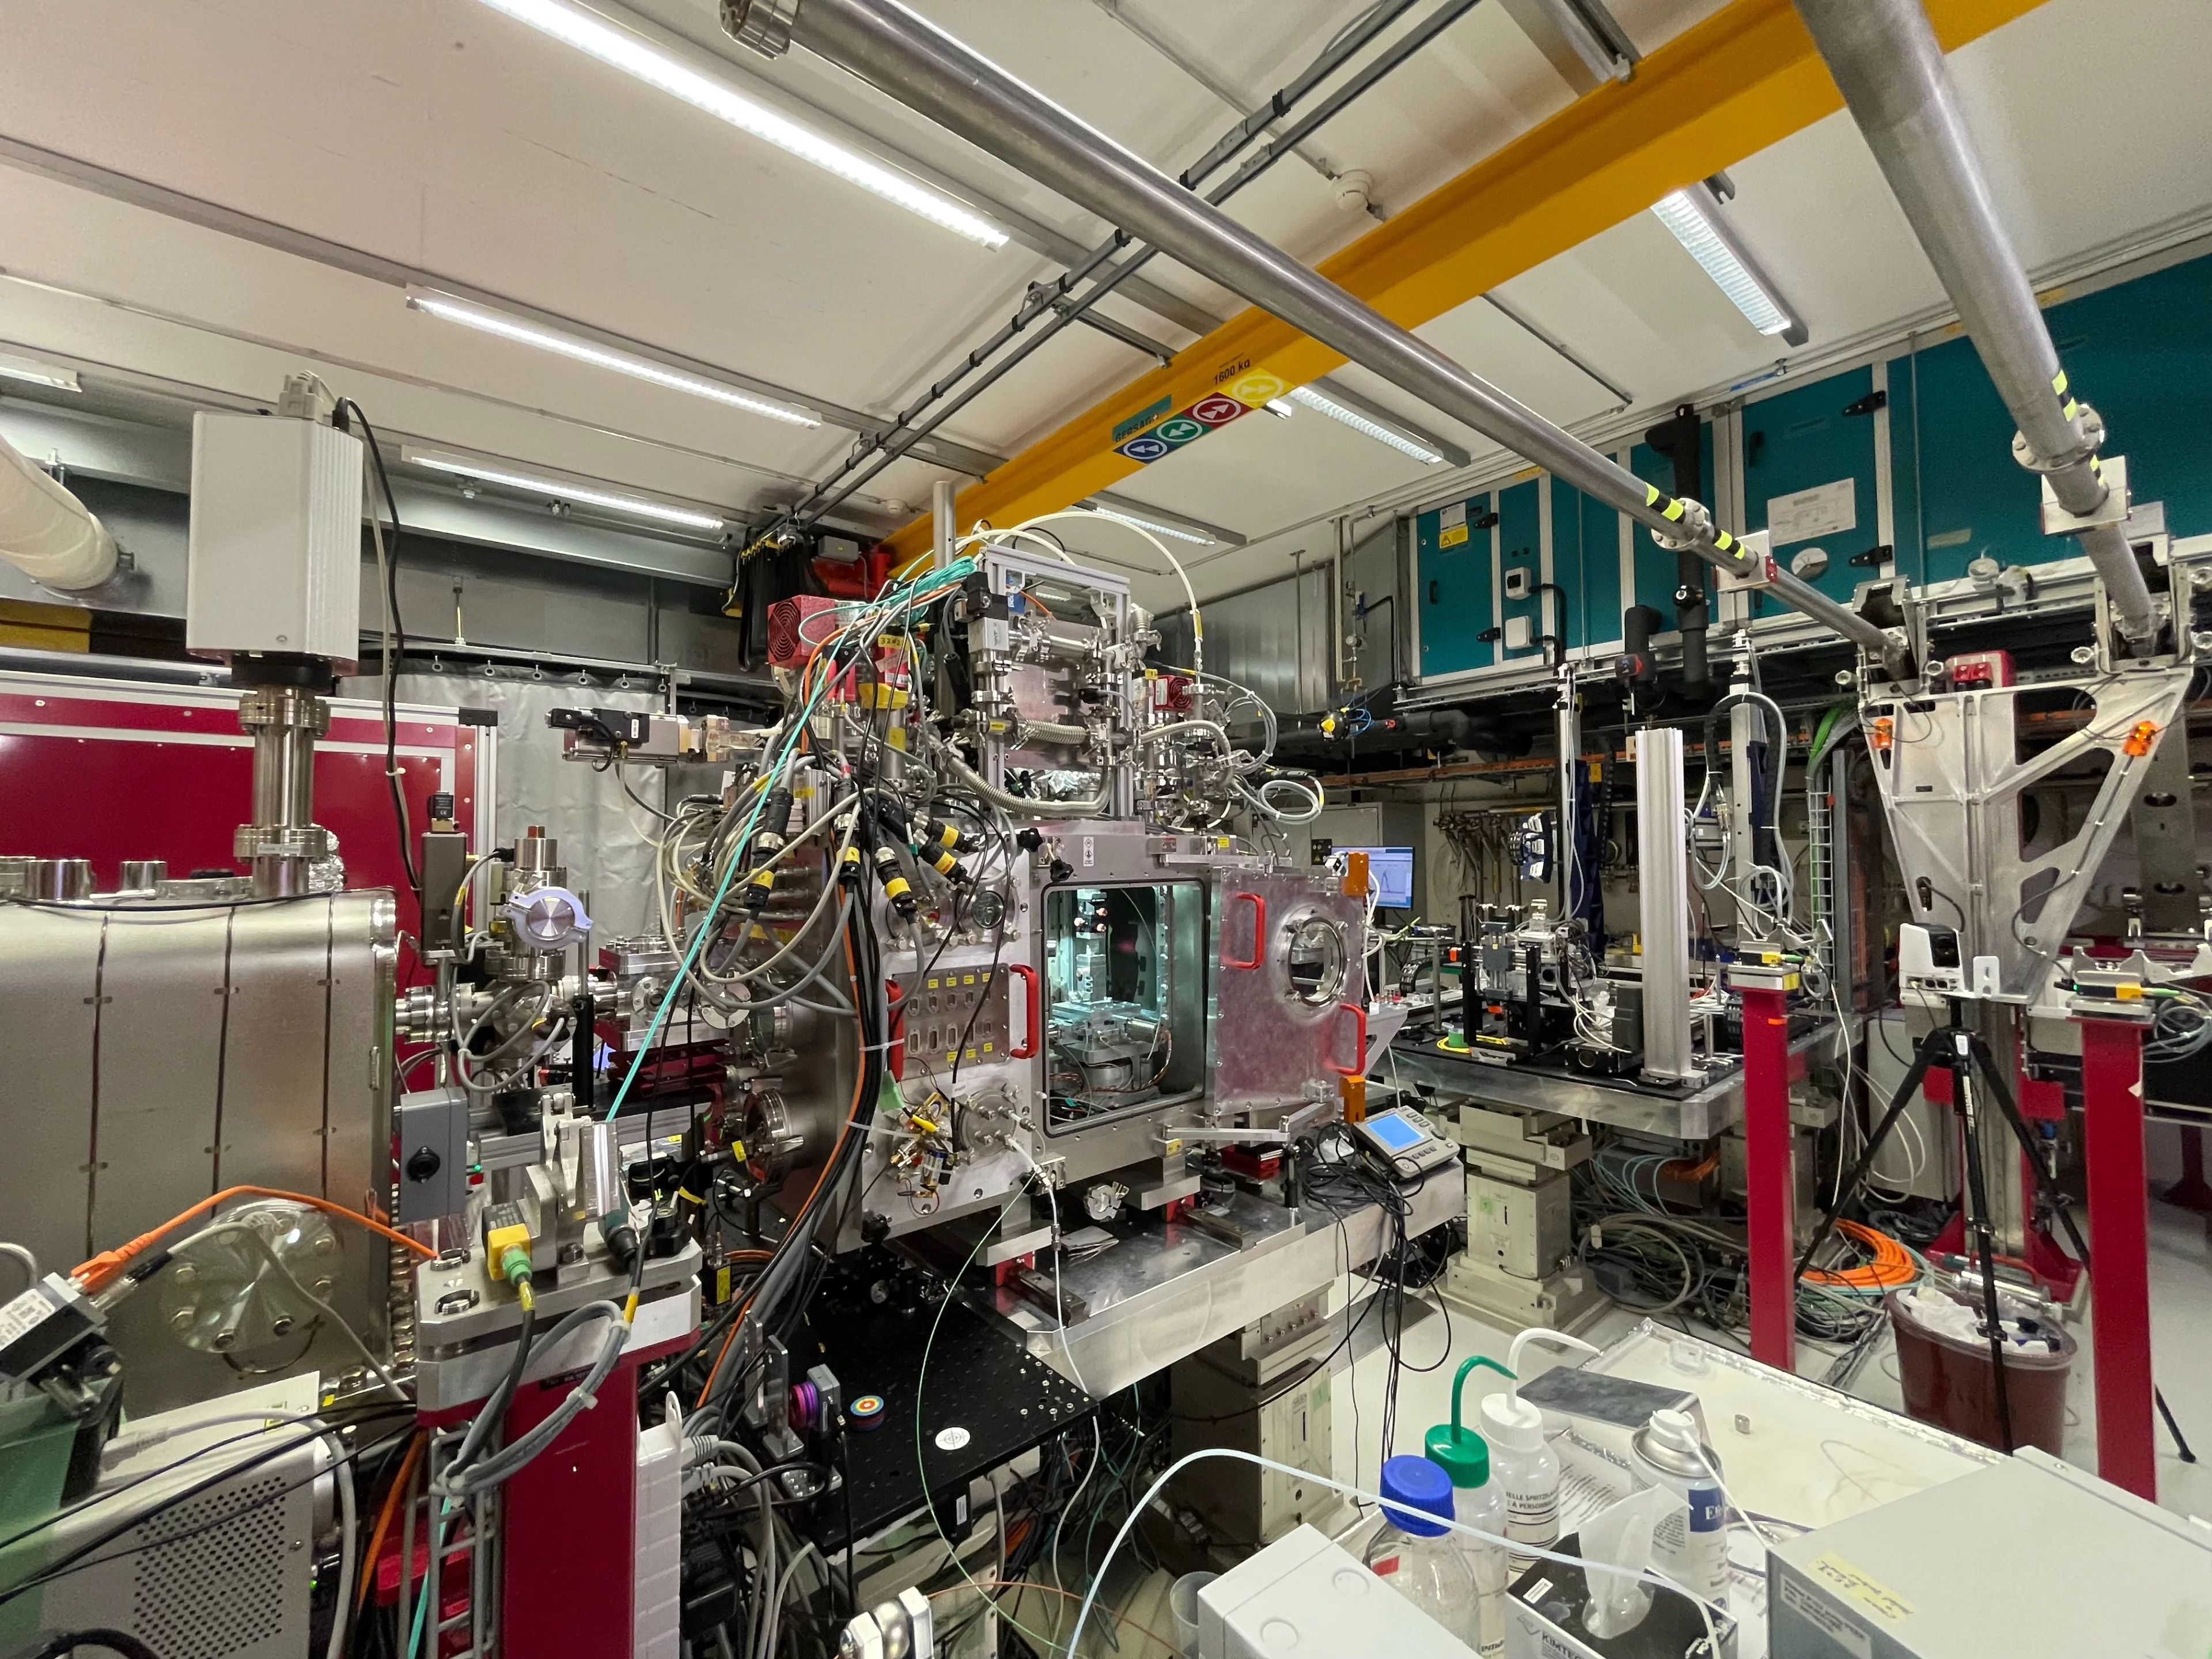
1682,441
583,1049
1637,624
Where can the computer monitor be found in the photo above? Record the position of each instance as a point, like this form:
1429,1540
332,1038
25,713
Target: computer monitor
1391,869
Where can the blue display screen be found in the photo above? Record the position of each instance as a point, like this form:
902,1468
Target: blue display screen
1391,869
1394,1132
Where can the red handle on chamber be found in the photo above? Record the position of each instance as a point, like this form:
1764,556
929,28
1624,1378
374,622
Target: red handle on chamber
1359,1052
1259,931
1028,1051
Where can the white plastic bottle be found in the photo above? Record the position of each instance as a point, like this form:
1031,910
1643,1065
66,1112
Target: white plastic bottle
1413,1553
1689,1545
1521,1461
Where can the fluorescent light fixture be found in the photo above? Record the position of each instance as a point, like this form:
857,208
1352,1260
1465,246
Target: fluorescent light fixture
1698,228
1153,525
635,56
1360,423
599,356
13,368
560,490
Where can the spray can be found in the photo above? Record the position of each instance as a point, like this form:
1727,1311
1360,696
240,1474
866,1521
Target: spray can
1689,1545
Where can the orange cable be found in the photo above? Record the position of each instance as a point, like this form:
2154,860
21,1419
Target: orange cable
367,1568
102,1270
1892,1264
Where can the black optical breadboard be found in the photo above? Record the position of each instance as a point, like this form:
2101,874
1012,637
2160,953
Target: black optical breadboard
985,1400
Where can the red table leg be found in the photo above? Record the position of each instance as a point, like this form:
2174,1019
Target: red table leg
1770,1181
2119,1246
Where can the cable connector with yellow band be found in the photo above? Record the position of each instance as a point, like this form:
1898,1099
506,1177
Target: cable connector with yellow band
507,1247
897,888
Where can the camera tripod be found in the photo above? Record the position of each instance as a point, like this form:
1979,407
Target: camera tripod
1966,1055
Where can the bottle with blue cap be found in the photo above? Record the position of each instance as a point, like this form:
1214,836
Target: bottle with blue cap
1413,1552
1464,1455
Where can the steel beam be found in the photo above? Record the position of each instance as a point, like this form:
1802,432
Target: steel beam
1728,86
930,71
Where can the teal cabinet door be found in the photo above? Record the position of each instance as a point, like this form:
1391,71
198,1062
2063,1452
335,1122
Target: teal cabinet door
1809,476
1586,564
1521,548
1453,587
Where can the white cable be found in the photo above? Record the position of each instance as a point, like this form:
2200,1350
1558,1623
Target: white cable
349,1528
1519,1546
22,1254
1059,1296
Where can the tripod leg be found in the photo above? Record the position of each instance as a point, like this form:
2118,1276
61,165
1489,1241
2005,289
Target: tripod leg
1847,1190
1979,1201
2049,1188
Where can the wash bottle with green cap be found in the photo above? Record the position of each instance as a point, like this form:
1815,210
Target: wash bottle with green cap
1476,1501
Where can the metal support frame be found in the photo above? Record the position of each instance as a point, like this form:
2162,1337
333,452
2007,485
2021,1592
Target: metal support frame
909,60
1951,781
2119,1231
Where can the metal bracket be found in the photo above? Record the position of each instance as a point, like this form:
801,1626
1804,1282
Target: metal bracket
762,26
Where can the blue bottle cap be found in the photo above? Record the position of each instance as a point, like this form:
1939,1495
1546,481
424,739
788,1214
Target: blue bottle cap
1424,1489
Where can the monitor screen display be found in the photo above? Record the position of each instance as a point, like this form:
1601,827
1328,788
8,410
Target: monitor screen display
1391,869
1394,1132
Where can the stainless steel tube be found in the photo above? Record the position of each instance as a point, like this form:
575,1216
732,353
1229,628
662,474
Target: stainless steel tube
1664,902
1889,65
912,60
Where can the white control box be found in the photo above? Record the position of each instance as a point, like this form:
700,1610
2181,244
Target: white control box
274,548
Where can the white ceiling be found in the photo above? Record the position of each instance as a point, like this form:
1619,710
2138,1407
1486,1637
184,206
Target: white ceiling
442,136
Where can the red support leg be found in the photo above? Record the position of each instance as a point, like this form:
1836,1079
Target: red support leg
2119,1245
1770,1180
2190,1192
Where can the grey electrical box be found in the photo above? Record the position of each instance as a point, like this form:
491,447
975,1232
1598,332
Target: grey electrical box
432,1128
273,560
1519,1217
2028,1558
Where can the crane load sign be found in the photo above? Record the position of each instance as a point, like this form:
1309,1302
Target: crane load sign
1215,409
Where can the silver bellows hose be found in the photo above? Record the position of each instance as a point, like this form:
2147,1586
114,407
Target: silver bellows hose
912,60
1889,65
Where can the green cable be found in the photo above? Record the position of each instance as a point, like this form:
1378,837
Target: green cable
951,575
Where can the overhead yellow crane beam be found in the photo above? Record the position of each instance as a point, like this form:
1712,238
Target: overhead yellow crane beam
1726,88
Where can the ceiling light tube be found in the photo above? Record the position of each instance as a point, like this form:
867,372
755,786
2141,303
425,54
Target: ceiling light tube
1153,525
1360,423
634,55
558,489
1694,219
469,315
30,369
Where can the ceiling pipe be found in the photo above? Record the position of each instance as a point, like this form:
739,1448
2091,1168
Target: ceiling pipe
46,532
931,72
1887,64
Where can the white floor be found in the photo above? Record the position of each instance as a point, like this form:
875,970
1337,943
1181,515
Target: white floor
2181,1319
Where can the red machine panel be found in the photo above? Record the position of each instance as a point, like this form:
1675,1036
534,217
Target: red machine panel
115,769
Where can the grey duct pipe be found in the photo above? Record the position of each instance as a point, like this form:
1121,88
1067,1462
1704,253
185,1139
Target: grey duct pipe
1887,63
929,71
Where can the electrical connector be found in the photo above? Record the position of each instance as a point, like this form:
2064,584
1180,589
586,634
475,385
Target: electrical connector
507,1245
897,888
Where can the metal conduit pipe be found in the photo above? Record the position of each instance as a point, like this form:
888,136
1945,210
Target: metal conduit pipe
1887,64
931,72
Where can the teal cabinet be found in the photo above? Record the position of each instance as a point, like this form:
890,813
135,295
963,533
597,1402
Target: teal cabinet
1586,564
1454,598
1521,548
1809,476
